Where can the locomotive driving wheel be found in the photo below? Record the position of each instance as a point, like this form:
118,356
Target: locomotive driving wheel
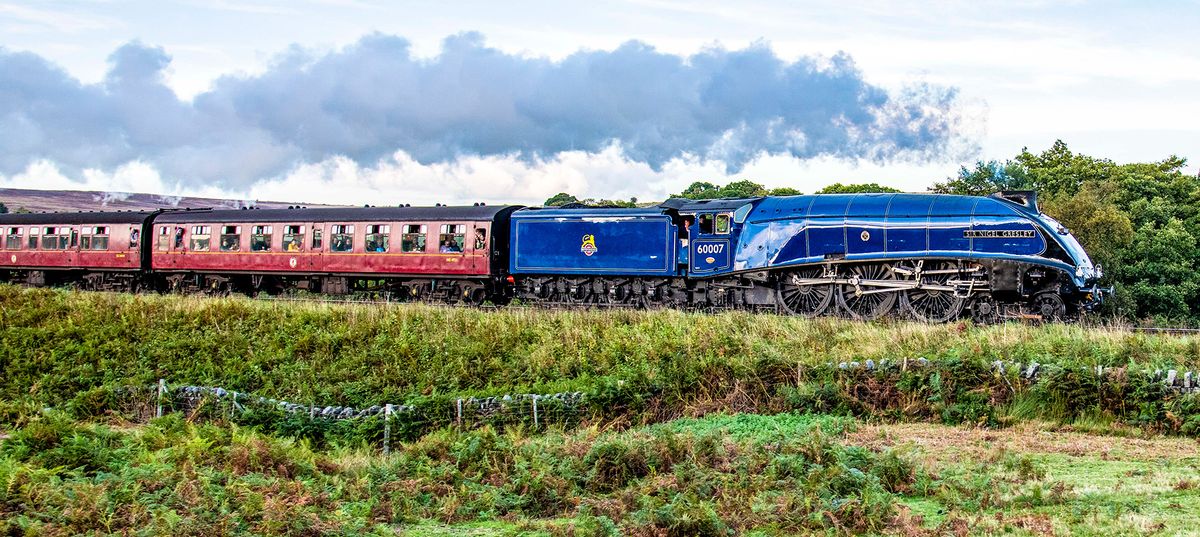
863,301
807,299
931,302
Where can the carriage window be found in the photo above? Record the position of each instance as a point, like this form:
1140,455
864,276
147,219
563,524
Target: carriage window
480,239
13,240
164,238
134,235
723,223
316,239
179,238
413,239
55,238
33,238
231,238
451,238
260,238
201,238
377,237
94,238
293,238
706,224
343,238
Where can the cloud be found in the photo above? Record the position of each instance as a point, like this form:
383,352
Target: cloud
374,99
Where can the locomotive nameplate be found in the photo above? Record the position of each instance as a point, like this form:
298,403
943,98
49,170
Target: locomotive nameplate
999,234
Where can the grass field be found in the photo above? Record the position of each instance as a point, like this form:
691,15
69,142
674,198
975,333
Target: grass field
717,475
698,424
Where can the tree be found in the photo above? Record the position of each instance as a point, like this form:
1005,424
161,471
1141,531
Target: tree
1158,270
863,188
699,190
784,191
703,190
609,203
1094,219
3,209
986,178
560,199
743,189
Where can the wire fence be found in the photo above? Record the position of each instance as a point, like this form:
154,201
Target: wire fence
384,422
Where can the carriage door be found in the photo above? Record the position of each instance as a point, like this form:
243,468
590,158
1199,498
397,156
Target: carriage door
164,242
478,240
314,247
710,242
72,252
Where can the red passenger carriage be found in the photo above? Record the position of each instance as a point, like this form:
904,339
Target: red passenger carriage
417,252
99,250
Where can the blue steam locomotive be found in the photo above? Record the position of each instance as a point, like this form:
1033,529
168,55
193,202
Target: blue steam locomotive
934,257
931,257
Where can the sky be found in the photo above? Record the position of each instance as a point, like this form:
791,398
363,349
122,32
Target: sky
357,101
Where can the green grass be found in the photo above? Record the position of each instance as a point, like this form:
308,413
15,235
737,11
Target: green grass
58,476
56,344
637,461
719,475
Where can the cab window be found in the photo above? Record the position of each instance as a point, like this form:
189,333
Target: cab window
706,223
723,223
231,238
201,238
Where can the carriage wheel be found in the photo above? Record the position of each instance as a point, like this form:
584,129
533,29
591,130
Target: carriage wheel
806,300
934,305
867,306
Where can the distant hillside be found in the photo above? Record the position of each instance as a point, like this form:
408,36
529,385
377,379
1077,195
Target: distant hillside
90,200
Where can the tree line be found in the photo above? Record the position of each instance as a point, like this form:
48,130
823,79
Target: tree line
1140,221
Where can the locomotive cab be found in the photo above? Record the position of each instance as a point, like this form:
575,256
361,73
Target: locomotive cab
712,228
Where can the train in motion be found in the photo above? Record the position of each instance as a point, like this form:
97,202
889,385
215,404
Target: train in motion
932,257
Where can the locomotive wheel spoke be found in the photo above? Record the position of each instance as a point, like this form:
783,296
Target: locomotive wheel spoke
871,305
808,300
934,305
